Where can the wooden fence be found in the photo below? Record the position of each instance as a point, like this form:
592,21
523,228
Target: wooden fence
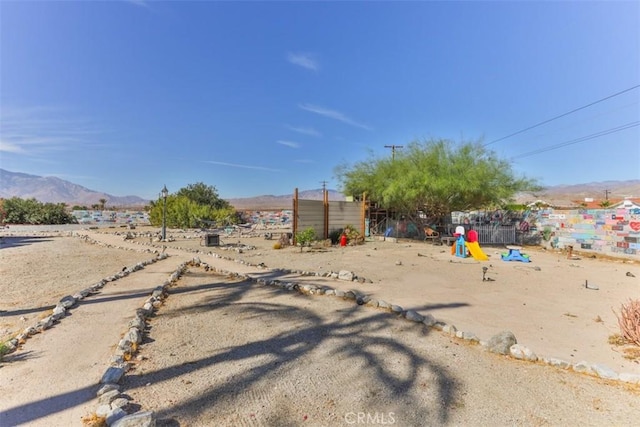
326,216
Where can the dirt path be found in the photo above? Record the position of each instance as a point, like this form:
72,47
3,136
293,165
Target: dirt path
53,381
223,352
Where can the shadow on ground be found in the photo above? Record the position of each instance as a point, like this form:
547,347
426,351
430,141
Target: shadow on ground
356,335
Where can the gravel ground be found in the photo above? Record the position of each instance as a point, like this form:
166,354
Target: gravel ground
228,352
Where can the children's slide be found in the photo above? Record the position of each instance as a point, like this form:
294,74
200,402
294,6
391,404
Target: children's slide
476,252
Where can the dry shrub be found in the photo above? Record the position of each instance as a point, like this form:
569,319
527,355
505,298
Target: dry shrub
629,321
353,236
94,421
631,353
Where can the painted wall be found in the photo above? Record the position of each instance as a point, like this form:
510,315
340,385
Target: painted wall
609,231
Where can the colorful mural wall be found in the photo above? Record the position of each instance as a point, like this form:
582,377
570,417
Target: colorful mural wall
610,231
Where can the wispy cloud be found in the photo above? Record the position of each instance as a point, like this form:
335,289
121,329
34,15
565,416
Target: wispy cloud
332,114
304,60
38,130
235,165
305,131
289,144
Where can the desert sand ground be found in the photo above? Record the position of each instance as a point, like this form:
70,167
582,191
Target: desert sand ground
226,351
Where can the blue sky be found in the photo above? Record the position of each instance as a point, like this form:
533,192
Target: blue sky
263,97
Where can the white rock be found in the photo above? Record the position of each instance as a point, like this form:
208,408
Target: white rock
345,275
521,352
629,378
605,372
450,330
582,367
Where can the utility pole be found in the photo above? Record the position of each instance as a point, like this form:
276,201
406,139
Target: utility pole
393,150
606,194
324,185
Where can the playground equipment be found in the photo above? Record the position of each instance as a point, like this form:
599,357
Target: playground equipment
515,255
470,246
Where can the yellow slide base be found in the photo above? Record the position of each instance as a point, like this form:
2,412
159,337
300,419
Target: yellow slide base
476,252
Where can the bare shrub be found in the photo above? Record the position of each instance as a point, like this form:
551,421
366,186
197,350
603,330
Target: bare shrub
629,321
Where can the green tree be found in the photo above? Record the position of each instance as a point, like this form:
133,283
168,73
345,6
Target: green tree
190,206
30,211
103,204
436,177
203,194
605,204
56,213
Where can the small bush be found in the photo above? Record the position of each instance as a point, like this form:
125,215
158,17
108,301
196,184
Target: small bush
4,349
629,321
304,238
353,236
335,236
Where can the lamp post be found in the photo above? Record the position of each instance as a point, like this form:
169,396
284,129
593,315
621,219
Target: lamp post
164,193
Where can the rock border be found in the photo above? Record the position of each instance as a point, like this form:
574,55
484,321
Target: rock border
113,404
112,401
68,302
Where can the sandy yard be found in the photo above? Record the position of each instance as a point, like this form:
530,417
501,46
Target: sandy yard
225,351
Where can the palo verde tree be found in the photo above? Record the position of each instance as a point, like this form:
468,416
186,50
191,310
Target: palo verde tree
435,177
191,206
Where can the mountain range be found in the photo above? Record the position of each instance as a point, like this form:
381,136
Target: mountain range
50,189
56,190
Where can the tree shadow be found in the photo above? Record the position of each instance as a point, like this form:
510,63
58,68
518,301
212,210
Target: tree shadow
31,411
357,335
353,334
19,356
21,311
7,242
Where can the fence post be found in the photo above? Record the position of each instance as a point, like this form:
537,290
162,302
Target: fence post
295,215
363,215
325,199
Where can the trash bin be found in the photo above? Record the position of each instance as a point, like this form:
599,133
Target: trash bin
212,240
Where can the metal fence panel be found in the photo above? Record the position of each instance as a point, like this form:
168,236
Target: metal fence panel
496,234
311,215
342,214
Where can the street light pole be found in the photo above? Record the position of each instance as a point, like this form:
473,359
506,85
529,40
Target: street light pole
164,194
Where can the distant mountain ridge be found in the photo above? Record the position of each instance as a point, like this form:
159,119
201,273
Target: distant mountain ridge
51,189
282,202
56,190
571,194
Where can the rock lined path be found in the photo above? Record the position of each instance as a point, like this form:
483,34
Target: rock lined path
237,353
53,379
369,362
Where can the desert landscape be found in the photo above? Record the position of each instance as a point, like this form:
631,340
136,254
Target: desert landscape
228,346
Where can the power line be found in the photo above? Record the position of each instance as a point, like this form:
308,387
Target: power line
577,140
562,115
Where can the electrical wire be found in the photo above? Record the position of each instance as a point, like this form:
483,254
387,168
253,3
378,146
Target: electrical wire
577,140
561,115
